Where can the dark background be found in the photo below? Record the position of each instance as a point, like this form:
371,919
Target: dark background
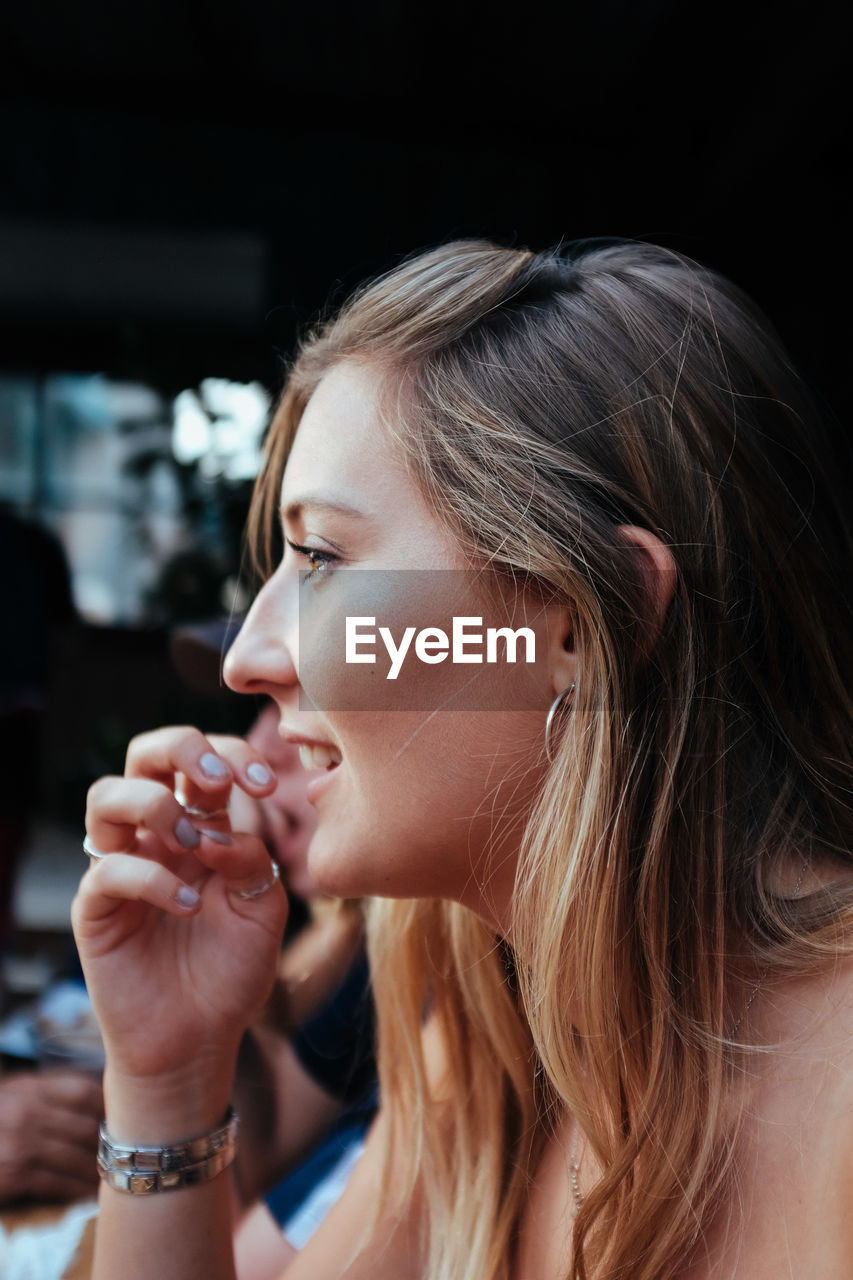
184,185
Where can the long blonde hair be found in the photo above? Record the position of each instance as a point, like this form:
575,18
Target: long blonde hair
542,400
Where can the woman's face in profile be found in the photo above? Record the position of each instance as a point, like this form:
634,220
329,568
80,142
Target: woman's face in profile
431,799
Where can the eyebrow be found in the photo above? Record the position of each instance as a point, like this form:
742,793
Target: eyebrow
320,502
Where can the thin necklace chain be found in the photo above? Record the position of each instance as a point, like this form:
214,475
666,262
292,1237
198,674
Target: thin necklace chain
574,1164
574,1170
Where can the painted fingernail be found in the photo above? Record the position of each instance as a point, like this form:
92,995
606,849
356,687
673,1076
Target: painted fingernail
186,833
259,773
187,897
213,766
220,837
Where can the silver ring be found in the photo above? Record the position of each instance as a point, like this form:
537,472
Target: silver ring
248,894
95,855
193,812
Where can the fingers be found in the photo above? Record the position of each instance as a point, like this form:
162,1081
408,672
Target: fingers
247,770
79,1130
241,861
251,771
210,765
244,863
207,769
124,878
49,1134
55,1184
55,1153
163,753
80,1096
115,808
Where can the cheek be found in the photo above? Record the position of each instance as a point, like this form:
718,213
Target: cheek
388,641
408,761
425,810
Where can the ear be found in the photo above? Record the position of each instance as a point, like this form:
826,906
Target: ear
563,664
659,574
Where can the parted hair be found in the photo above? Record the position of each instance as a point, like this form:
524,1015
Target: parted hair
541,400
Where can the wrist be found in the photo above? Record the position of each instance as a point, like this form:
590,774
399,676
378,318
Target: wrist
167,1109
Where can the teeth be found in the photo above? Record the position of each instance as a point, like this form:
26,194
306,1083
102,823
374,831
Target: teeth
318,757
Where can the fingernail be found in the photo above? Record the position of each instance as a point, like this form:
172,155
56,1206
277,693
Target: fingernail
213,766
259,773
187,897
220,837
186,833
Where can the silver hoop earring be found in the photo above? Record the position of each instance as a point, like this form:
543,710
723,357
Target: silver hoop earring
549,723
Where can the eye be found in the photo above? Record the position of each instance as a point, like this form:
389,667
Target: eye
318,561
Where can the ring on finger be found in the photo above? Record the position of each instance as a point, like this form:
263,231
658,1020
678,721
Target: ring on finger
93,854
248,894
193,812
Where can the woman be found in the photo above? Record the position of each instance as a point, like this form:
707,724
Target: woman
611,953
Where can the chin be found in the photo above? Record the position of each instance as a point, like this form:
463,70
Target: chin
332,873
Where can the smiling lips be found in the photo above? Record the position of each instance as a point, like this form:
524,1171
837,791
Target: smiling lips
318,757
313,754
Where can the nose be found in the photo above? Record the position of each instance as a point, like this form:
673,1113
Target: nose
262,659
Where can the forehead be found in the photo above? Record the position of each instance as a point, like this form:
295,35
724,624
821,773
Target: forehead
344,457
342,449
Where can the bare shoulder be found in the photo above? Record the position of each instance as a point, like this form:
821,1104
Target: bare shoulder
792,1208
803,1068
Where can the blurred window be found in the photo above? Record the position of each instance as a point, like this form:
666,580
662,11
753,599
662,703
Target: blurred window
147,493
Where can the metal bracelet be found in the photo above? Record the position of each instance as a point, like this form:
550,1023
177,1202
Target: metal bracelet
141,1171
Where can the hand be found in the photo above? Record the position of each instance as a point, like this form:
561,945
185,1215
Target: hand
49,1135
176,963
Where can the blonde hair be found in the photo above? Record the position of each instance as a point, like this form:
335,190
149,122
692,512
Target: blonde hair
542,400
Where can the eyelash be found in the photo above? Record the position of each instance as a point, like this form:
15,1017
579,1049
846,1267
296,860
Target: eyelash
326,558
